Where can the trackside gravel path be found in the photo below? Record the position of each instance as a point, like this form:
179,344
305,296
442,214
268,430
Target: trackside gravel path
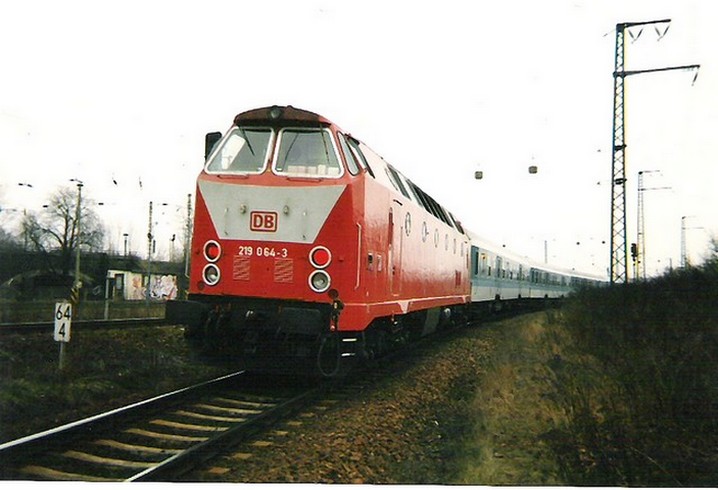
427,421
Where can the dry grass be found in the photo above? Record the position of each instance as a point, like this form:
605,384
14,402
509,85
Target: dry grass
511,412
641,387
619,388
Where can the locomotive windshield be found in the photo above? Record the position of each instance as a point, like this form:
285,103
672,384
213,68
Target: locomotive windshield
307,153
244,150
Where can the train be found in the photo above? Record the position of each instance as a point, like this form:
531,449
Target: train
310,252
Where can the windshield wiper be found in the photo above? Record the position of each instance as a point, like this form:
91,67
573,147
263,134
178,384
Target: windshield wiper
324,140
249,145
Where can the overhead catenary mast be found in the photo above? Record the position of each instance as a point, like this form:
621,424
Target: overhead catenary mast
619,249
641,225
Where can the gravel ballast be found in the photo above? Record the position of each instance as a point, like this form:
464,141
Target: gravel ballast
404,427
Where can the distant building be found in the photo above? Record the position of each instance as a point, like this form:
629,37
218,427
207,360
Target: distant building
28,276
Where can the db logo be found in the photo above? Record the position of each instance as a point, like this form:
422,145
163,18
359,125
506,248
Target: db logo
263,221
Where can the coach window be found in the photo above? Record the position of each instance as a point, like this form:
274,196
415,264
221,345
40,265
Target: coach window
243,151
352,163
307,153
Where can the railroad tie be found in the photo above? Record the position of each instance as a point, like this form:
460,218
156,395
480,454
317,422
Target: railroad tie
52,474
92,458
233,411
167,437
245,403
202,416
183,426
136,448
241,456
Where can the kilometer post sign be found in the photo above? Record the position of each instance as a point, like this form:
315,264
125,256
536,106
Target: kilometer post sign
63,321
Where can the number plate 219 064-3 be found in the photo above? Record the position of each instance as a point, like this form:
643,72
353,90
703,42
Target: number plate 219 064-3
259,251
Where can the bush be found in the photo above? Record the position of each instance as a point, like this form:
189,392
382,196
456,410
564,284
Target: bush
649,415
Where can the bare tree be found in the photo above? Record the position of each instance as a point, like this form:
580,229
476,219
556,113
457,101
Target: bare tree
8,241
55,228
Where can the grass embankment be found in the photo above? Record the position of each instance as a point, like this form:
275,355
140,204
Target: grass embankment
103,369
619,388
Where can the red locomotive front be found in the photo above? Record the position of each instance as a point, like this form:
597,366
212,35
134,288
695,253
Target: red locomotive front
303,248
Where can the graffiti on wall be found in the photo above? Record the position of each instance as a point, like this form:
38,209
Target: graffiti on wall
164,287
161,287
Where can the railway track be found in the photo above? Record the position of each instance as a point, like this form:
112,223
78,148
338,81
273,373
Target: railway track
153,440
161,438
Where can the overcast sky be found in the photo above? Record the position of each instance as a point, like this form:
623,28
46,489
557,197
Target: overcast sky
124,92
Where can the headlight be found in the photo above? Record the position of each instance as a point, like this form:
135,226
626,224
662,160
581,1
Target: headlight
319,281
211,274
275,112
212,251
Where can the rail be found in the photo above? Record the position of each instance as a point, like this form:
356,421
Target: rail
104,447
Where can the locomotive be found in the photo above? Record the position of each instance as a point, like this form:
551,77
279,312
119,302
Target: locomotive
310,251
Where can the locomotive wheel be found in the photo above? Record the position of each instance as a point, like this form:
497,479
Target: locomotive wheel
380,344
329,355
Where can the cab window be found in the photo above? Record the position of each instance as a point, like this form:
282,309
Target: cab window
307,153
243,151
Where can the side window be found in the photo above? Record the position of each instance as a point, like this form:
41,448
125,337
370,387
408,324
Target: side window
405,183
420,197
354,145
352,163
431,205
457,224
396,180
392,180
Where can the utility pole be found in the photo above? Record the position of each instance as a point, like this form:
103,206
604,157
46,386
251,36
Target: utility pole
188,235
75,292
685,262
619,249
149,258
683,241
641,225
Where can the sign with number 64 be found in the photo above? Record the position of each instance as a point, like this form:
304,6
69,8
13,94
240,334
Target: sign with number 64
63,321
